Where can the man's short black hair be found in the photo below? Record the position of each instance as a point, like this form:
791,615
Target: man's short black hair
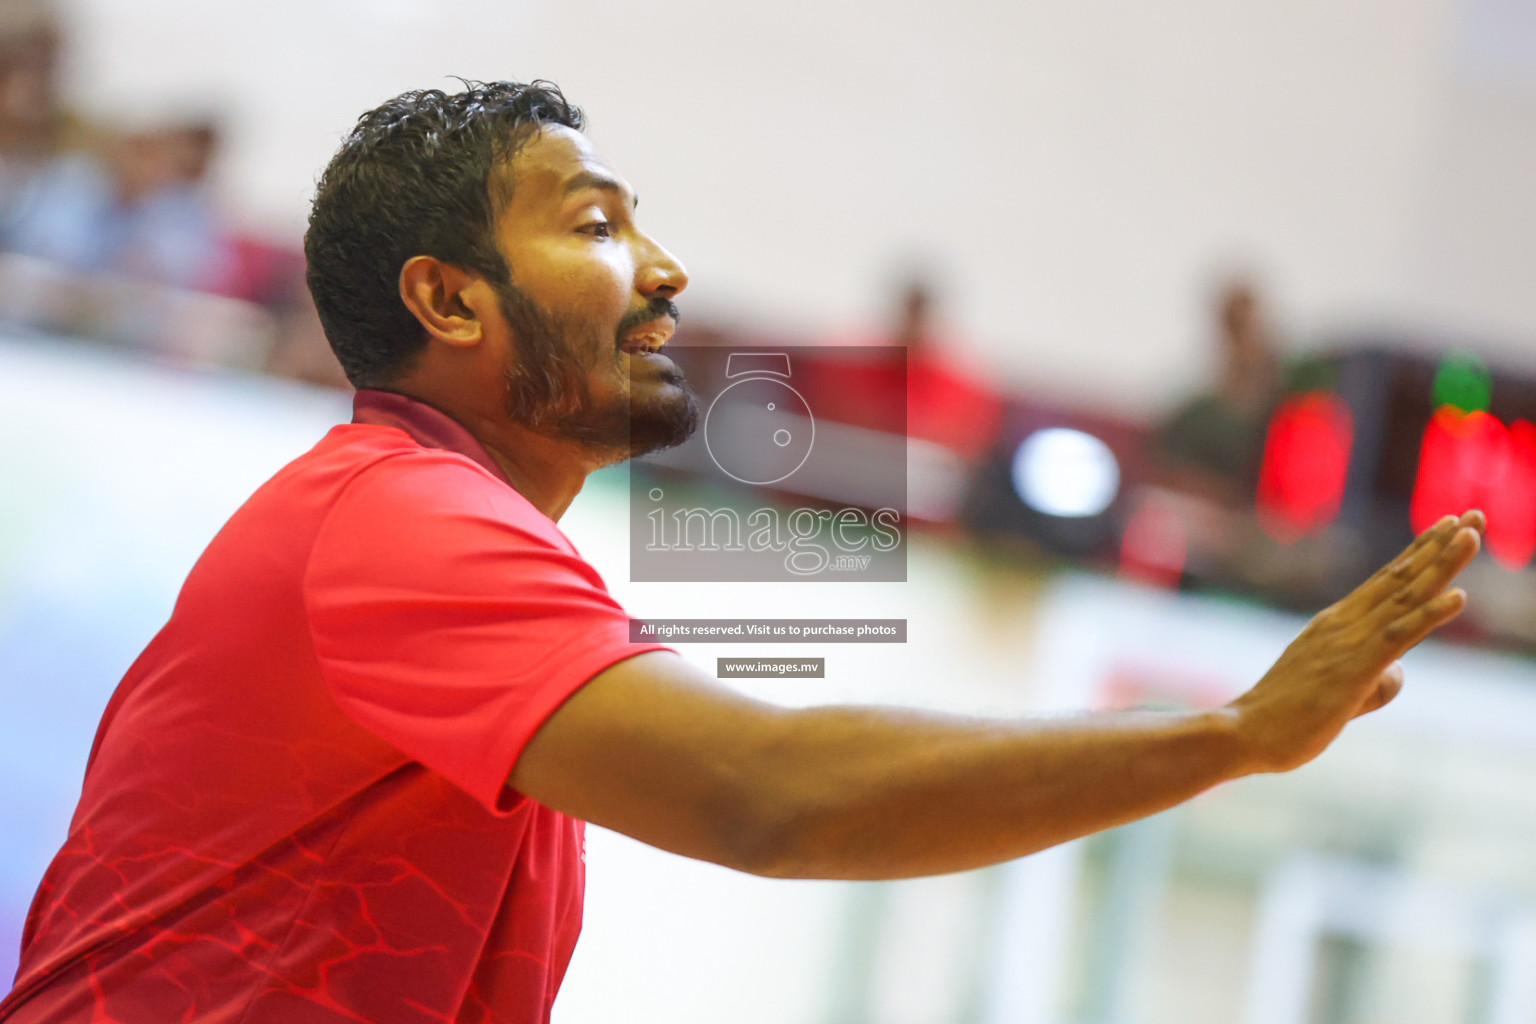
418,176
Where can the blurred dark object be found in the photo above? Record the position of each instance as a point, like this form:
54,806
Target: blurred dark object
1371,440
1060,479
1374,440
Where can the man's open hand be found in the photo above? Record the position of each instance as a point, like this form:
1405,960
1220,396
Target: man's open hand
1344,663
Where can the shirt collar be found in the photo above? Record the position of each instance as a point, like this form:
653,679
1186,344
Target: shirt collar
427,426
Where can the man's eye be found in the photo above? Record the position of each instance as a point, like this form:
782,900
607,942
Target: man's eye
597,229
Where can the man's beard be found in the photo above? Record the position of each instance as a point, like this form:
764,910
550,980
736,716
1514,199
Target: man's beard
549,389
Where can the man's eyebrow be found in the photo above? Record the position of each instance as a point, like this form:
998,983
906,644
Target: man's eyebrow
592,179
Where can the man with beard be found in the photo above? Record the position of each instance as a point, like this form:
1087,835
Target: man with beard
347,780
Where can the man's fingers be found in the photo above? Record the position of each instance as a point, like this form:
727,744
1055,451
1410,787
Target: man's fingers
1424,552
1407,630
1406,566
1454,556
1388,685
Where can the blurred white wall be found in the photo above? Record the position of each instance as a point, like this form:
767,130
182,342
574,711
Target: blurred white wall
1477,256
1078,169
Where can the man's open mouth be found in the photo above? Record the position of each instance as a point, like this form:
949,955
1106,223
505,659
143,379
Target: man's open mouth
648,338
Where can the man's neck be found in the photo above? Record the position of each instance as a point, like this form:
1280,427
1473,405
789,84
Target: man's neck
548,471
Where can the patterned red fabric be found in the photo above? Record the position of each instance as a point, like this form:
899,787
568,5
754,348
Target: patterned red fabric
295,810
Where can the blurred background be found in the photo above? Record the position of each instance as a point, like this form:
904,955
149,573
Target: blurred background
1207,307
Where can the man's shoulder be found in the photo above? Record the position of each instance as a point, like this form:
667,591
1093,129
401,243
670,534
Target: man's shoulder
372,469
376,471
351,450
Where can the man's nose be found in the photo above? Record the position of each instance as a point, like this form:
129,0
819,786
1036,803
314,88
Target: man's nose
660,273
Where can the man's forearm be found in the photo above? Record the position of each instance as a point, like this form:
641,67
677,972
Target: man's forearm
887,793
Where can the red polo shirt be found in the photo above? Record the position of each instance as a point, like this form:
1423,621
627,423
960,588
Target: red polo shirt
295,809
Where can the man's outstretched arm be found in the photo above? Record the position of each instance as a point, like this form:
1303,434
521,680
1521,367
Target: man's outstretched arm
656,749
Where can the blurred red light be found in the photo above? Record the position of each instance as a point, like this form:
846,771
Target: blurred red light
1306,463
1513,541
1472,460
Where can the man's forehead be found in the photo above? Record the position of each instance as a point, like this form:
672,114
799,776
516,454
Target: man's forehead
558,160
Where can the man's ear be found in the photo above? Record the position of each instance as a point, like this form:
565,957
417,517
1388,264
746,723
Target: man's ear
444,298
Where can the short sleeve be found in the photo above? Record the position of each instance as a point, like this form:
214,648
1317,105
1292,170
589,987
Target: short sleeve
451,618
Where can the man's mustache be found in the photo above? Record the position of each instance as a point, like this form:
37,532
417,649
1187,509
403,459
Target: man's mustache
653,310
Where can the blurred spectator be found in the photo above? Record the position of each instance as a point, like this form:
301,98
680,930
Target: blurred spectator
138,208
950,415
1212,445
112,233
122,241
30,116
1195,522
946,402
